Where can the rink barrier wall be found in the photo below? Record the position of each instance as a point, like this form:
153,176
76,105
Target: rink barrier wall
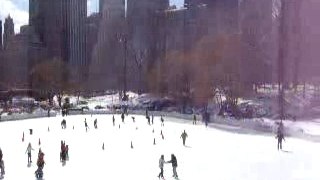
25,116
243,126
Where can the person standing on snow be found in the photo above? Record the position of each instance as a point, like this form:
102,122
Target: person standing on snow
174,163
184,136
29,149
161,163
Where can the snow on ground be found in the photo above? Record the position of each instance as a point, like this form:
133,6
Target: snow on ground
209,154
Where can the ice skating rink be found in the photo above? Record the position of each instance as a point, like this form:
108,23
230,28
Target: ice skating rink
210,154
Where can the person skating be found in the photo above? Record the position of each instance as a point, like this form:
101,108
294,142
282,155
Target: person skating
148,118
29,149
63,152
122,117
280,136
63,124
184,136
95,123
40,164
194,119
133,119
162,136
174,163
162,121
113,120
161,163
152,117
1,164
86,124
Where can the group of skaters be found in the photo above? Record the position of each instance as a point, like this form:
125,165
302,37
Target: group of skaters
174,163
40,164
64,155
40,161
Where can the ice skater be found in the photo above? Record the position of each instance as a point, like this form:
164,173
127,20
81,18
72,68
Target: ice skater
280,136
194,122
162,136
162,121
113,120
148,118
63,152
174,163
133,119
63,124
40,164
122,117
184,136
1,164
152,117
95,123
86,124
161,163
29,149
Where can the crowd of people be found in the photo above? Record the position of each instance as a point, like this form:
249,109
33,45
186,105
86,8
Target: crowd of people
64,153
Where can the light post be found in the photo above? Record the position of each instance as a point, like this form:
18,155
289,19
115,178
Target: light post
122,37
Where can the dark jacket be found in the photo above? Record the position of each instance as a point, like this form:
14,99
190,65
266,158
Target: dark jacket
173,161
1,155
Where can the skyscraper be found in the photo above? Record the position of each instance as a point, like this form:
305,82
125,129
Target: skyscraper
60,27
101,4
8,31
75,14
0,35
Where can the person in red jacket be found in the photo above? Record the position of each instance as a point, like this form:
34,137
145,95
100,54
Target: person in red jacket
40,164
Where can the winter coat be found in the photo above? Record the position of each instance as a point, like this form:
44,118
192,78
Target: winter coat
29,148
280,136
184,135
161,163
1,155
173,161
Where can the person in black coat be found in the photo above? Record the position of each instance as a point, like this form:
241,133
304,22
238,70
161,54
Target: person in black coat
174,163
95,123
280,136
1,163
184,136
122,117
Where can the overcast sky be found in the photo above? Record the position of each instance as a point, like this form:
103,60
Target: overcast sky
18,9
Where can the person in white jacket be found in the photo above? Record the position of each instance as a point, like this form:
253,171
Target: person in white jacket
29,148
161,163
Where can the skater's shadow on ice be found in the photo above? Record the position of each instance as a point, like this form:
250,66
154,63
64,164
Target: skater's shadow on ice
286,151
29,165
188,146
